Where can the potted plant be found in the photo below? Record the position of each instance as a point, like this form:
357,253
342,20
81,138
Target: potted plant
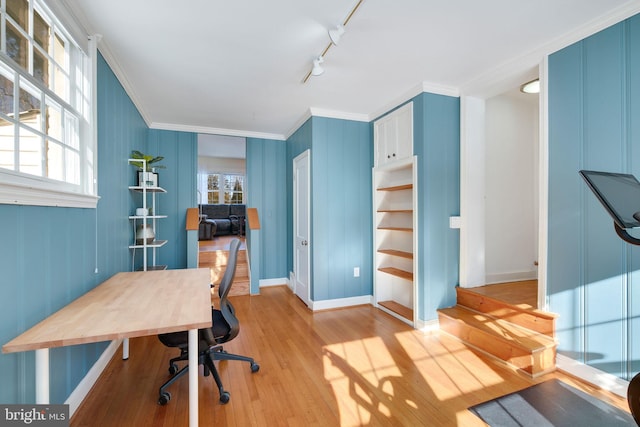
147,176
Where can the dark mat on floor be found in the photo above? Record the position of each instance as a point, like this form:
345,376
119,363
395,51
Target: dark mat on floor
551,403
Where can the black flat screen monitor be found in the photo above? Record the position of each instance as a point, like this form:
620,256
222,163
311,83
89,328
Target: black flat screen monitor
619,193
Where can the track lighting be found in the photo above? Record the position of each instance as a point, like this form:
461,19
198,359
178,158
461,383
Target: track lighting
317,68
334,35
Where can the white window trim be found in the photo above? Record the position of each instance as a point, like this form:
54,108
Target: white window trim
24,189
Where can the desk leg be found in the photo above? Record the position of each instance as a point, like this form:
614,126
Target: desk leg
42,376
125,349
193,378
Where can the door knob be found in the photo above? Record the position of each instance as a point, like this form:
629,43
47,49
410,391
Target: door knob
304,243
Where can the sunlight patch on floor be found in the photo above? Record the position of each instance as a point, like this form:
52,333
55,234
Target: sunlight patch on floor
375,371
444,367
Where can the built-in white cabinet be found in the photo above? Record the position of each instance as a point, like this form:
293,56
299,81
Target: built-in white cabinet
393,135
395,243
144,222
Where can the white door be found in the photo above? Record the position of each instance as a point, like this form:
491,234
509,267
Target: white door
301,220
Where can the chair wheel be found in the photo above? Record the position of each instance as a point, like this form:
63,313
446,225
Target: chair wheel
173,369
224,397
164,398
255,367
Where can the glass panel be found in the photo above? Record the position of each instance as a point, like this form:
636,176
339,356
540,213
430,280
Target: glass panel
7,146
72,174
17,46
55,160
29,106
71,130
59,51
19,11
213,182
54,120
61,83
6,95
30,152
213,197
41,31
40,67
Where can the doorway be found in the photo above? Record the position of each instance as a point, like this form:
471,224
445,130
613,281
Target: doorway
301,226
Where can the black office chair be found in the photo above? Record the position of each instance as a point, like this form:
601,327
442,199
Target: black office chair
225,328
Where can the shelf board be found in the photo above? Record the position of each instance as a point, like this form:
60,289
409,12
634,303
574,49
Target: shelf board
397,308
401,254
395,211
396,187
396,228
397,272
148,217
154,244
149,189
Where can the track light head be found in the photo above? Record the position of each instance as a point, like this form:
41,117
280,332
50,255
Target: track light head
336,33
317,68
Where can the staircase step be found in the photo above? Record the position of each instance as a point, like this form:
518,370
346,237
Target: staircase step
530,351
535,320
220,257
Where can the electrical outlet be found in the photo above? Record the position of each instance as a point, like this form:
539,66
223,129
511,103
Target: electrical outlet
356,271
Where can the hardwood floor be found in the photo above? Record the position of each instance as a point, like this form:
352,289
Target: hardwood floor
348,367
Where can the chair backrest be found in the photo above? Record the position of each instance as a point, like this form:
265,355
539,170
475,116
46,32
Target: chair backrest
230,271
226,308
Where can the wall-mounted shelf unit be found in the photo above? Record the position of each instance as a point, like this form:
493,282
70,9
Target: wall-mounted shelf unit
395,222
148,247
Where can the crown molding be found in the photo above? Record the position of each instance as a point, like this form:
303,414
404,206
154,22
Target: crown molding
216,131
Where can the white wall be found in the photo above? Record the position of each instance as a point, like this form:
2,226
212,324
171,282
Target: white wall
511,187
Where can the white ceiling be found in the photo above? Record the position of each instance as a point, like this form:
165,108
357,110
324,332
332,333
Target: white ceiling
236,67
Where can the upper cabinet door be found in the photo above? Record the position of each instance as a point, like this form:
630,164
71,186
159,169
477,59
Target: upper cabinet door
393,136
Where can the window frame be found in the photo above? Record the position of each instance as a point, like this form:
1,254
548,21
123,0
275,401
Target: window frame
25,189
221,189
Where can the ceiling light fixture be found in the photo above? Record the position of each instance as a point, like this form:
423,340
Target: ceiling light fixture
317,68
334,36
531,87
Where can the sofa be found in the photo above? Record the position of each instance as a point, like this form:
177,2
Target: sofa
221,220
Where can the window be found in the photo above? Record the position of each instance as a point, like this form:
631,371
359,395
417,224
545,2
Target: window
47,143
224,188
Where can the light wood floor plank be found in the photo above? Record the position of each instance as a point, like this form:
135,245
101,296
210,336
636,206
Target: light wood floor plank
347,367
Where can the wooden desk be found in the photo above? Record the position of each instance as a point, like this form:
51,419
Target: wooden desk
125,306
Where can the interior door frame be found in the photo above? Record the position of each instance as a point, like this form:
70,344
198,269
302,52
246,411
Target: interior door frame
305,157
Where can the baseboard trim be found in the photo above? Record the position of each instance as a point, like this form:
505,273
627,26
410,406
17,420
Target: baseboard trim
515,276
592,375
340,302
427,326
80,392
273,282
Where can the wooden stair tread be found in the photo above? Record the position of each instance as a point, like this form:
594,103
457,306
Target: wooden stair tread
517,336
540,313
536,320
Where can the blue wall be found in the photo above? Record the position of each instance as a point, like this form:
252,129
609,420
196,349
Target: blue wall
48,255
267,191
341,222
594,123
436,143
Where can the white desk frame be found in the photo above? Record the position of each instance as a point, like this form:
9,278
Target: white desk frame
112,302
